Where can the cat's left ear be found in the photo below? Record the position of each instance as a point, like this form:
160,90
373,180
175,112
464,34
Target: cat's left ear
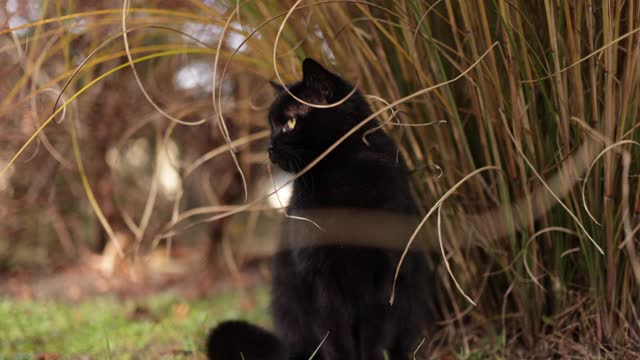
316,76
277,86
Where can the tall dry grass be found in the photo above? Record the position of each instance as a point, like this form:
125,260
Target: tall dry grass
520,118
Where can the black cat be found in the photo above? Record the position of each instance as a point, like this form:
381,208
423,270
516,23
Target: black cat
333,282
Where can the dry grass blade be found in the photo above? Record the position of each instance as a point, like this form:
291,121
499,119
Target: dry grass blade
544,183
629,242
128,52
103,12
89,192
222,149
446,262
153,190
562,86
424,220
275,68
217,106
319,346
342,139
588,174
284,208
72,98
125,39
533,237
594,53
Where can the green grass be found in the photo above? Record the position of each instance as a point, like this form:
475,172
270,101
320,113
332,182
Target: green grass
106,328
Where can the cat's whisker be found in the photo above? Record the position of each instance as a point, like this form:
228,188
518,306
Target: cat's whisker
298,163
284,208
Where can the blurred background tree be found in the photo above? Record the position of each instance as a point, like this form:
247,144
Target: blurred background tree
134,158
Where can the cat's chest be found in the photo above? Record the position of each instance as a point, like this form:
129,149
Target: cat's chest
351,189
338,195
348,269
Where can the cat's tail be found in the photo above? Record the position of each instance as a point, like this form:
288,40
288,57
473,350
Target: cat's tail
239,340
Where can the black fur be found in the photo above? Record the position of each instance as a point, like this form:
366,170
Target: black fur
341,289
237,340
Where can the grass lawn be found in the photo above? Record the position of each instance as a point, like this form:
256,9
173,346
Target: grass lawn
157,327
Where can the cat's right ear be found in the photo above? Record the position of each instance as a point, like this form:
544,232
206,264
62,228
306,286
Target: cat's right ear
316,76
279,88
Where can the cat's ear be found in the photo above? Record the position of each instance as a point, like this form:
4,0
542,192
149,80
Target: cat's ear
316,76
279,88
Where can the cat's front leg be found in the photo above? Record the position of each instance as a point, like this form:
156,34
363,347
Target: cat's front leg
335,327
338,346
373,332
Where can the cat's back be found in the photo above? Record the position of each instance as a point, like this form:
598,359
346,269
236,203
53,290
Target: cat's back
368,178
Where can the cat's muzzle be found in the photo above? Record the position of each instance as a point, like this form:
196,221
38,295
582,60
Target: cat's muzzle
276,158
279,159
272,155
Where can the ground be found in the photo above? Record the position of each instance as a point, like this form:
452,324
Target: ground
81,314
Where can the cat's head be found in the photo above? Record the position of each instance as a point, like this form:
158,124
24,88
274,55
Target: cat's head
299,133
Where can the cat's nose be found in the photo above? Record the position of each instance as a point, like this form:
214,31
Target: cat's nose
270,151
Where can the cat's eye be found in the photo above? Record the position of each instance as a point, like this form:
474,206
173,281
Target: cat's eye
290,125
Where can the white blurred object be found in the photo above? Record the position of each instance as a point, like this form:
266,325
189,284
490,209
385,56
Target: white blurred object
197,74
168,175
5,184
283,196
